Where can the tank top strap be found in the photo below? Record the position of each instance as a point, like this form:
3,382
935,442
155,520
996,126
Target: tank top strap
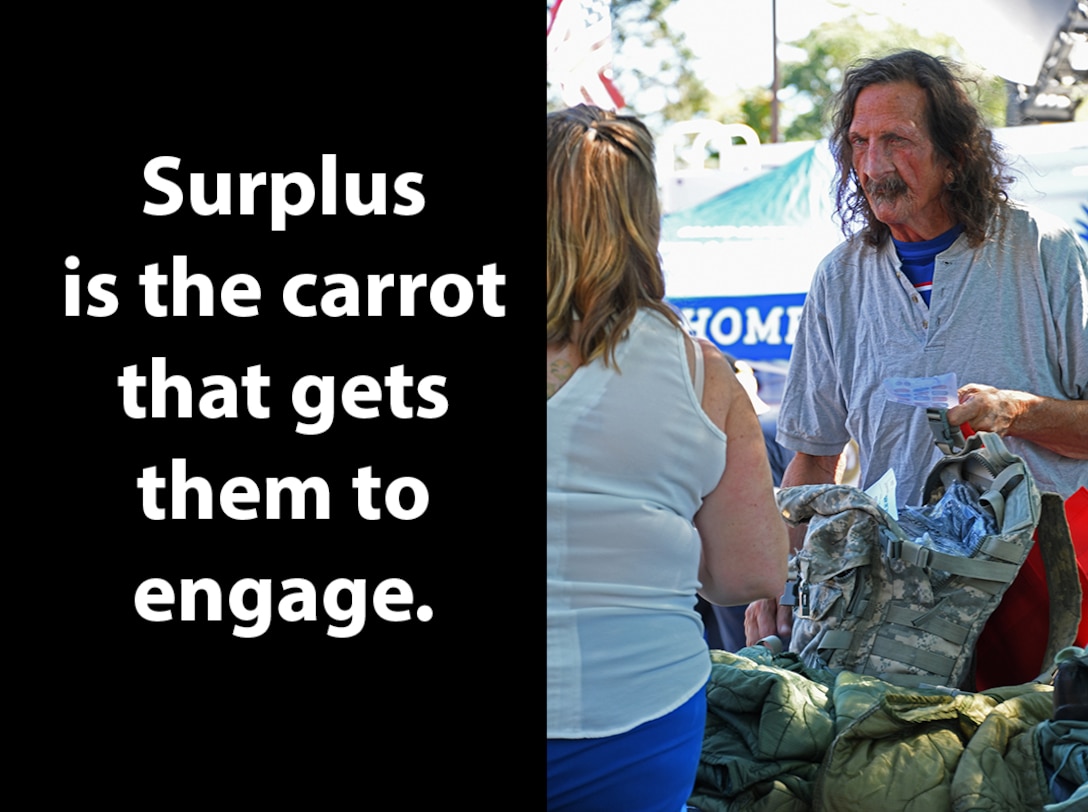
698,383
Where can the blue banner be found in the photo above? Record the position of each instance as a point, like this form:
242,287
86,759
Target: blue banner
750,328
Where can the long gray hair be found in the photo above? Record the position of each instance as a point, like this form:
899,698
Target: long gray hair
954,124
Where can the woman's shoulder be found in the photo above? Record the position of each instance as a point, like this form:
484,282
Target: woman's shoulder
712,354
721,388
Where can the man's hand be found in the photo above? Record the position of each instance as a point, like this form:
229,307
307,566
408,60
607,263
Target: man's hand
989,409
765,617
1058,425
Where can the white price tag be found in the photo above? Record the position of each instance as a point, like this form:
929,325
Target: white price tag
883,492
938,392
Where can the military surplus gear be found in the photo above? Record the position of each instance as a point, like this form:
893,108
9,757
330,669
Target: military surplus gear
906,600
781,737
948,438
1071,685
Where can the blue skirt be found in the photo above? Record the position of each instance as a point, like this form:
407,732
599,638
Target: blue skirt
648,769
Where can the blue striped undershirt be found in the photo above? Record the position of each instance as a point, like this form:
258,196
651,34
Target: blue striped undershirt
917,258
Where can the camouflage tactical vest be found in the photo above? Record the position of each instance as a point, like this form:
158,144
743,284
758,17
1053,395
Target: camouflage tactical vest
876,598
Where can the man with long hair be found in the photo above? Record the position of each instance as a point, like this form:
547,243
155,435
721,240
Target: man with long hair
940,272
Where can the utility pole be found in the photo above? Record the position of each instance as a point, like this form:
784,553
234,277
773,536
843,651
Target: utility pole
774,80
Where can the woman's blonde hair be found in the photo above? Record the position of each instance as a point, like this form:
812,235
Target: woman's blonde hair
604,223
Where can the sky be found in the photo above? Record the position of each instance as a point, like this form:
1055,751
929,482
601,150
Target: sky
732,38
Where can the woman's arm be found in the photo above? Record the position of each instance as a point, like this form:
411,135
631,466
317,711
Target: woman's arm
743,534
767,617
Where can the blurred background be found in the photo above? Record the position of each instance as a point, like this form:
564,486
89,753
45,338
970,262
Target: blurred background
736,94
772,64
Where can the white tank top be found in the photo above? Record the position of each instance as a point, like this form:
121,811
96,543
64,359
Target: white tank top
631,454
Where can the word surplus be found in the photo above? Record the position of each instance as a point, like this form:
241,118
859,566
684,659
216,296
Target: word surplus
156,597
283,186
304,295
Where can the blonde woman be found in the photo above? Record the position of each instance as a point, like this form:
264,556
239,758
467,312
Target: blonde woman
646,507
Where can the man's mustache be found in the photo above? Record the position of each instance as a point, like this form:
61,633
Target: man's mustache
888,188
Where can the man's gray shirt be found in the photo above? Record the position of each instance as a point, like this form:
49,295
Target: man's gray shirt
1012,313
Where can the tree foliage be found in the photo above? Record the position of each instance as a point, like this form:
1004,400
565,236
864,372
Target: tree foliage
670,91
811,78
652,66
